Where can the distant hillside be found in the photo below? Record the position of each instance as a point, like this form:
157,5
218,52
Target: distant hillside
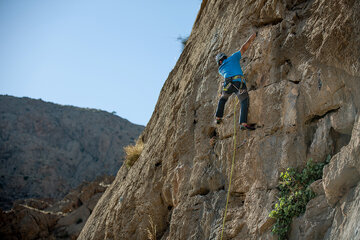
47,149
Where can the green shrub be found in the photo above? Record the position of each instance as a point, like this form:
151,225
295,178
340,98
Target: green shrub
294,195
133,152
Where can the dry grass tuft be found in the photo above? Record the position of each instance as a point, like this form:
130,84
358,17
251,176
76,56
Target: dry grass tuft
133,153
151,230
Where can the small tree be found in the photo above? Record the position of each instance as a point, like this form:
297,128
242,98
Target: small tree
183,40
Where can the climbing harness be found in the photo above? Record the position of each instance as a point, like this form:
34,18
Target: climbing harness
235,77
228,82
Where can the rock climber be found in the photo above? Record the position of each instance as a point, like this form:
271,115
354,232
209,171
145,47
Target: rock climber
230,69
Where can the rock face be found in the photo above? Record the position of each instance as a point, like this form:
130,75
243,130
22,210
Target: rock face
303,72
38,219
48,149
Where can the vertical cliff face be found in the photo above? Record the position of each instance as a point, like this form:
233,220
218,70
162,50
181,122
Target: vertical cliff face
303,72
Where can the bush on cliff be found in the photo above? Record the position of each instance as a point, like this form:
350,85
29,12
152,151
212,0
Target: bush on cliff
133,152
183,41
294,195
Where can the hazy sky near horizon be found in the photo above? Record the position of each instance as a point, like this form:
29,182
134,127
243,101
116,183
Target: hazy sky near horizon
112,55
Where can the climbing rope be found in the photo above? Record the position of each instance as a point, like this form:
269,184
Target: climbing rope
231,172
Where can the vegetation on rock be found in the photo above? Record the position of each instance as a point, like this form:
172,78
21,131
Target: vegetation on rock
294,195
183,40
133,152
151,230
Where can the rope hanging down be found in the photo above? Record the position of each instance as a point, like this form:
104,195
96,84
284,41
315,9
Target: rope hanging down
231,172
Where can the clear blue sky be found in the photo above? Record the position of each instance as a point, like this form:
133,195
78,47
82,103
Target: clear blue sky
113,55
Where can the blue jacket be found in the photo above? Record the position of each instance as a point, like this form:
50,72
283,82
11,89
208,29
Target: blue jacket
231,67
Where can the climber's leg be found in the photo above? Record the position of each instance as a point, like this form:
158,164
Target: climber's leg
243,97
221,105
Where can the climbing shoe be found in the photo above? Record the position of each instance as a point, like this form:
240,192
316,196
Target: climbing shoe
247,127
218,120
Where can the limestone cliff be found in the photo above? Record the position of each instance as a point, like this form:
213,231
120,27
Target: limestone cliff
303,72
47,149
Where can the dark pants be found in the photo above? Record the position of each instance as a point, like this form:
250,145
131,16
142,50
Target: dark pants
243,97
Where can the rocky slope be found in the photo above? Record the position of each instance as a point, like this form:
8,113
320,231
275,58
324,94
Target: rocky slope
47,149
303,71
43,219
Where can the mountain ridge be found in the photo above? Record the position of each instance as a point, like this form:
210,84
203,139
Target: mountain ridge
46,149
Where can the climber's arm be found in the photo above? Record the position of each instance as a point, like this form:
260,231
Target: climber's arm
246,45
